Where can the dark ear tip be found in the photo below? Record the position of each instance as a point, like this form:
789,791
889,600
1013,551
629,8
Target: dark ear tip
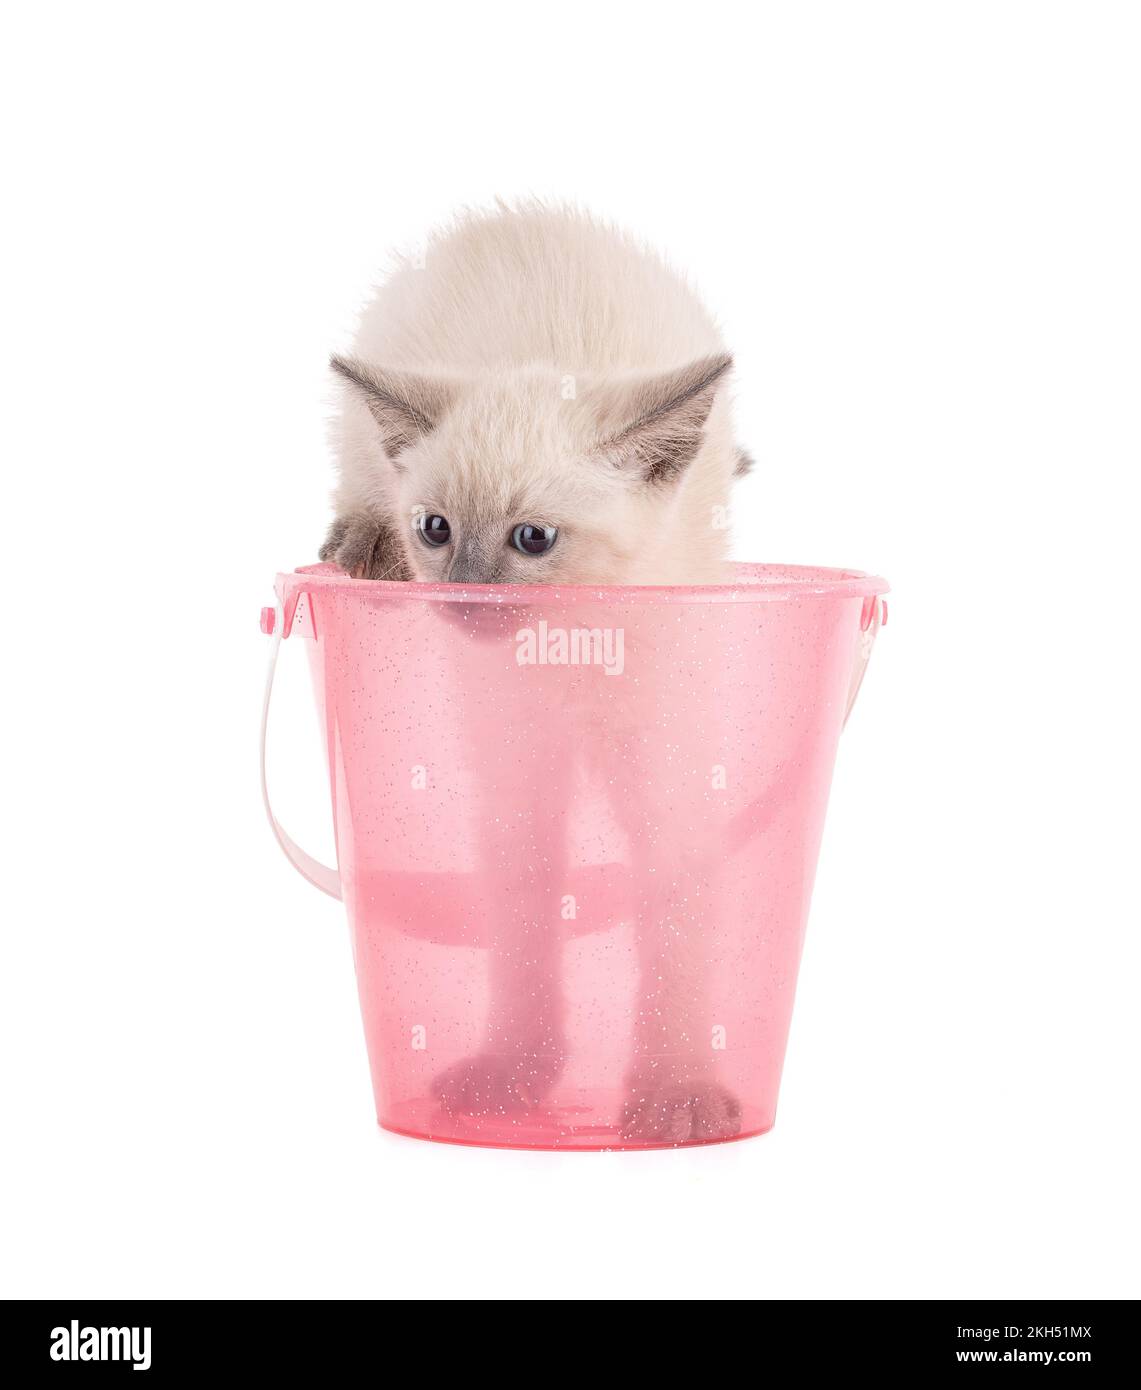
706,372
353,371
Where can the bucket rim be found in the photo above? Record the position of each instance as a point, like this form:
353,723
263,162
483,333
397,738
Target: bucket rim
753,583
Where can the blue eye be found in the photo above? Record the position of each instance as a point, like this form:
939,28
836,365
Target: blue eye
533,540
434,530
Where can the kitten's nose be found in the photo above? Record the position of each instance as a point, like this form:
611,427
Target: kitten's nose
472,565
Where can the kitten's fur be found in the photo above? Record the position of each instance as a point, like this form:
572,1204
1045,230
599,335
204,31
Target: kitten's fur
534,366
538,367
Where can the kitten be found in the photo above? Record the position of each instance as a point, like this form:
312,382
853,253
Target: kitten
538,399
538,370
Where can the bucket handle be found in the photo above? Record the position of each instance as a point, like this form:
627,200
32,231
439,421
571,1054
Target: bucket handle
318,874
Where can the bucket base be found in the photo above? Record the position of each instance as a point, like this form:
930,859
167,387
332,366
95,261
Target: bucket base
569,1126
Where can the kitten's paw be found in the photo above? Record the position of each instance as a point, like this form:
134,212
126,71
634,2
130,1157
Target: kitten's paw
488,1084
667,1111
365,546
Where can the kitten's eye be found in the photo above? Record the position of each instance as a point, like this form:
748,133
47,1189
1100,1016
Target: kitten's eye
533,540
434,530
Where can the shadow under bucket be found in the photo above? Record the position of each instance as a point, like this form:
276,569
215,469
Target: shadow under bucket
576,836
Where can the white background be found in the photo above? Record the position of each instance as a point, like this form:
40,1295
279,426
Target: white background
919,224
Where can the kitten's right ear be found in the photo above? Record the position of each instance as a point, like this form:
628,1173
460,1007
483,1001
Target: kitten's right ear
405,405
660,418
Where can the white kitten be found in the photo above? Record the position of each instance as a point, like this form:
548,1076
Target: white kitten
540,400
533,369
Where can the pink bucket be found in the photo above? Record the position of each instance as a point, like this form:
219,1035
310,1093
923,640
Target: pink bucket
576,837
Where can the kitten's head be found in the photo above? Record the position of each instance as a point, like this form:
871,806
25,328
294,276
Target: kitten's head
532,477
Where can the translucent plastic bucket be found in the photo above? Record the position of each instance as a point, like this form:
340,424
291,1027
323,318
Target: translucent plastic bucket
576,837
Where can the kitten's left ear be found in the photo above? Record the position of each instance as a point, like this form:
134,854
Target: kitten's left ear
405,405
653,424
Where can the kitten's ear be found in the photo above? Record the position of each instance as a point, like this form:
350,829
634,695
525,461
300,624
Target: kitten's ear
405,405
652,424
